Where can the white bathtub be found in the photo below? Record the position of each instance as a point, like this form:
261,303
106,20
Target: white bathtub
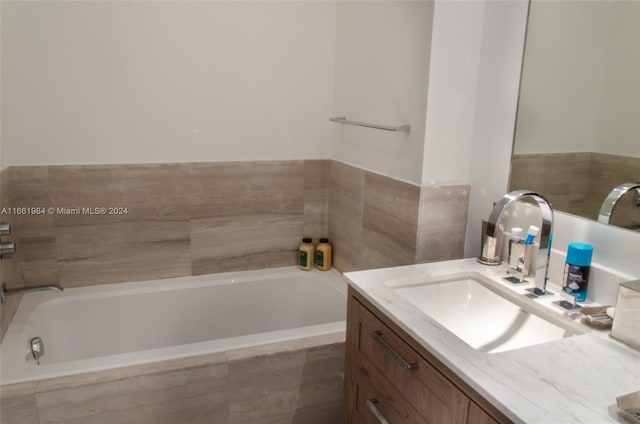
102,327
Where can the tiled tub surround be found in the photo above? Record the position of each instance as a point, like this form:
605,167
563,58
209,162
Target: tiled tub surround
178,222
200,218
377,221
206,364
576,183
298,382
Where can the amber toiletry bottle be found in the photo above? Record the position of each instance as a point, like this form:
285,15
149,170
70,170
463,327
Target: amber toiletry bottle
323,255
305,254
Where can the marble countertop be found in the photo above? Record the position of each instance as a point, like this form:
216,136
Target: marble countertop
570,380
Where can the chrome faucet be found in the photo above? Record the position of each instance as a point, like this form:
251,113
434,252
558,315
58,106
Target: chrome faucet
7,250
493,234
4,291
604,216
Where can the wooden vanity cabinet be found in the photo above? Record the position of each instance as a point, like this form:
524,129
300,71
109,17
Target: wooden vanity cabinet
389,378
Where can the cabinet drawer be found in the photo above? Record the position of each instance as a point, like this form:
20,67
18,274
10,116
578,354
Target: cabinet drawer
426,390
377,401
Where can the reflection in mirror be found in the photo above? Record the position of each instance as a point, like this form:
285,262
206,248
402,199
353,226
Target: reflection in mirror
622,207
578,127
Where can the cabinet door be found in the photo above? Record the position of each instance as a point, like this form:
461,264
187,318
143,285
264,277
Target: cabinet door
439,400
378,402
375,347
478,416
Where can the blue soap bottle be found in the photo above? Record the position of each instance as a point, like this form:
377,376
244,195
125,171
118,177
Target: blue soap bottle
576,270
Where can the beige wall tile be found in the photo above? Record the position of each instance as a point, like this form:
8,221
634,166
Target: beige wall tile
390,218
321,394
265,389
397,198
304,386
10,270
376,221
316,198
246,188
573,182
149,192
202,409
19,409
346,194
210,217
28,187
442,222
122,251
147,398
242,242
246,215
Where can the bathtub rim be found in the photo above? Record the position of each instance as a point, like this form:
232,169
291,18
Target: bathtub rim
28,371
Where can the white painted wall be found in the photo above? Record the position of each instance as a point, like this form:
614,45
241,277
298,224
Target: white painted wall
453,78
619,124
136,82
580,89
502,41
382,69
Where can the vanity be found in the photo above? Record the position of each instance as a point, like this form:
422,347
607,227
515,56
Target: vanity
411,361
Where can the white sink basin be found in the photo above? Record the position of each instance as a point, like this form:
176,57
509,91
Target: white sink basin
486,316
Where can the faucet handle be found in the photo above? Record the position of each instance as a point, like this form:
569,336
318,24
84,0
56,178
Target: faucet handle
7,250
5,229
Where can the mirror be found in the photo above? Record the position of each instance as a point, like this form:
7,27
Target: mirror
577,131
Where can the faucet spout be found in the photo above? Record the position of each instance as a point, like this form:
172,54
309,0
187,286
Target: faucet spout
606,210
494,229
4,291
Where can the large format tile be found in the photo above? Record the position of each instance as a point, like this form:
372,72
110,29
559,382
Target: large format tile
321,395
18,403
265,389
390,220
346,194
27,201
246,188
573,182
20,409
209,217
316,198
148,192
442,222
38,260
191,395
246,215
234,243
203,409
122,251
560,177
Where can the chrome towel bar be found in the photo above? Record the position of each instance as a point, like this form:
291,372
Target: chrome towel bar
344,120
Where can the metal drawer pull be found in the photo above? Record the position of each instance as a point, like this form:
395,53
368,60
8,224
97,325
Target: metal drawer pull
377,336
371,403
